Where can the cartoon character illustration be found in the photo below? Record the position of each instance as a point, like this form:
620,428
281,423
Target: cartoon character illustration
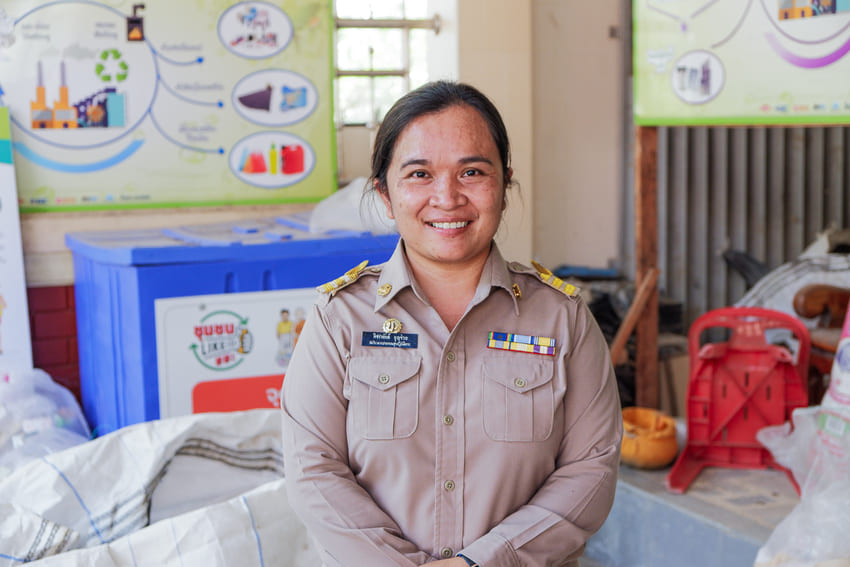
285,338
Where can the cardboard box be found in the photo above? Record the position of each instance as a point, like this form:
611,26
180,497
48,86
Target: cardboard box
673,374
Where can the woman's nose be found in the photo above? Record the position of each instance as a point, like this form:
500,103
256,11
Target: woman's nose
447,193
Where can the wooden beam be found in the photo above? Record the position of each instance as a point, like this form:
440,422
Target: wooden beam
646,261
645,289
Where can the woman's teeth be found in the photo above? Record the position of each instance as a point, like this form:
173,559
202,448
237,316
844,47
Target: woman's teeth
459,224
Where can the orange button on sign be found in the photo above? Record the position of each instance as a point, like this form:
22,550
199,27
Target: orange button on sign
237,394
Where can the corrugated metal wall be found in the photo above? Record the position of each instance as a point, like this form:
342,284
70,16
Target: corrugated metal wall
764,191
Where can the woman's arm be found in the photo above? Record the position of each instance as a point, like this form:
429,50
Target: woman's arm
342,517
573,502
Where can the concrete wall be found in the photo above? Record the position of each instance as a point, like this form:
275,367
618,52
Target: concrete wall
495,55
577,124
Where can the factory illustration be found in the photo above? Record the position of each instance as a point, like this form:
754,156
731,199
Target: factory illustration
794,9
103,108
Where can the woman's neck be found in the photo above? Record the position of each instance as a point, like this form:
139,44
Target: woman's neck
449,287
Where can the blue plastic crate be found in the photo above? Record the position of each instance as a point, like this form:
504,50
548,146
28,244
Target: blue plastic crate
119,274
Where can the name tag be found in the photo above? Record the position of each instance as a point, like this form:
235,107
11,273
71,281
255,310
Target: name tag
392,340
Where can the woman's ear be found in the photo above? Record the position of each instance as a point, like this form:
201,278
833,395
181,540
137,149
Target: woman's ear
508,178
385,197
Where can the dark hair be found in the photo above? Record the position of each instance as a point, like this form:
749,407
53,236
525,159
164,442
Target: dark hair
428,99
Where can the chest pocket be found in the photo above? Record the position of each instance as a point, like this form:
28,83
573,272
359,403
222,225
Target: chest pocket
384,401
518,398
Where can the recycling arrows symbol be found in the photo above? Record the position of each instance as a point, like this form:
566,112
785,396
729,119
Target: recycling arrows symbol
101,68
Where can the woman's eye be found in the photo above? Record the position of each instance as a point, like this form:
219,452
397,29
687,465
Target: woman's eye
470,172
418,174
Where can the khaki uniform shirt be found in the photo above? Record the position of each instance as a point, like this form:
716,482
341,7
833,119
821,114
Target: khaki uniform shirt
396,455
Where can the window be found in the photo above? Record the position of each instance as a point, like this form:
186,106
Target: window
380,55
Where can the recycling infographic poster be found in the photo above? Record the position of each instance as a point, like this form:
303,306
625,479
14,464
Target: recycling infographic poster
713,62
15,346
121,104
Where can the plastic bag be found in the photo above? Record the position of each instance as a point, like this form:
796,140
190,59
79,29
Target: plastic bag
201,490
37,417
817,452
352,209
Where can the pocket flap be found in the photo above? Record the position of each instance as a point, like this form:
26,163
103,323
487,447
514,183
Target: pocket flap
383,372
519,374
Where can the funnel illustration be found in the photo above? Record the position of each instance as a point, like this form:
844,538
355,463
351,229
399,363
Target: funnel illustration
259,100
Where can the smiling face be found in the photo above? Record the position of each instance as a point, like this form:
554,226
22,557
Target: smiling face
445,188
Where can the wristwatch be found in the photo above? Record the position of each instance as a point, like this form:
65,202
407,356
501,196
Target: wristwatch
469,561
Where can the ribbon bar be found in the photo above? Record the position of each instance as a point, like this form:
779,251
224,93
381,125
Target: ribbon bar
529,344
522,339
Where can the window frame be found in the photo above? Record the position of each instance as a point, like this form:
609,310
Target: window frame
403,24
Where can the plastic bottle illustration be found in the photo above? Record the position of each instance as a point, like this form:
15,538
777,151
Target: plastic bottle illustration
292,159
272,160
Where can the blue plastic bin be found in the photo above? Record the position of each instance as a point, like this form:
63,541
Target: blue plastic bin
119,274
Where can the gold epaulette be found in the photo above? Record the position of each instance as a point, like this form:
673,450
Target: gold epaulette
345,279
550,279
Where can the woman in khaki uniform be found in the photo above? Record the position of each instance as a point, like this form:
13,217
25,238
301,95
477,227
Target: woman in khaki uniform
449,408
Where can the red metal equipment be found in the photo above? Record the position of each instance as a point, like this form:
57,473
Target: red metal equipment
738,387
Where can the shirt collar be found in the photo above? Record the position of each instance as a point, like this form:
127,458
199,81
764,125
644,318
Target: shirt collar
397,275
496,275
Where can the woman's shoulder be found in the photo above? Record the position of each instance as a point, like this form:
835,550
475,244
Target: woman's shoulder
345,281
537,274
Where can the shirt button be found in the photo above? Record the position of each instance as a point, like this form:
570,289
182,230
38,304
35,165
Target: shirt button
384,378
450,356
520,383
449,485
448,420
447,552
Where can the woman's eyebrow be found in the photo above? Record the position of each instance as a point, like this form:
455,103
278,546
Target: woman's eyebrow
416,161
463,160
475,159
